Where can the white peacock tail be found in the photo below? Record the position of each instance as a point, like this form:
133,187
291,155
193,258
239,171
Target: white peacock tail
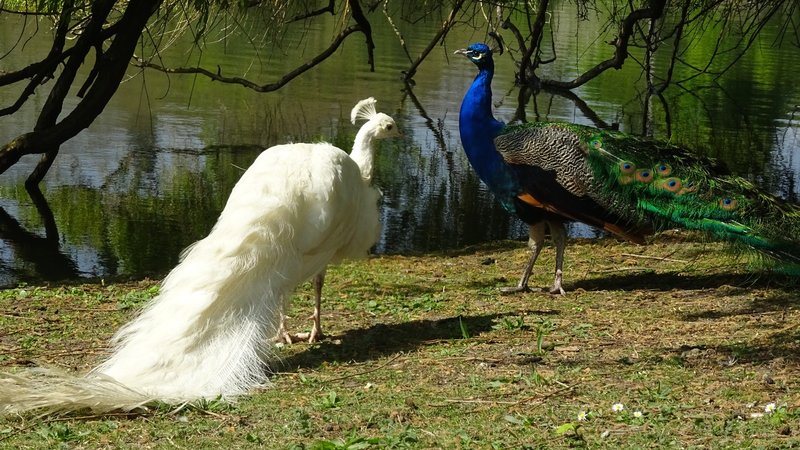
206,335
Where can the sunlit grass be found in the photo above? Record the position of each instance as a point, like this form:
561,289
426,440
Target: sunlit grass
681,348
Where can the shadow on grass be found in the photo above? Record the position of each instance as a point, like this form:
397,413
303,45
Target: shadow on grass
665,281
397,289
780,349
785,344
779,301
364,344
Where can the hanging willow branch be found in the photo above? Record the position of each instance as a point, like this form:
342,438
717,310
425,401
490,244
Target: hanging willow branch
653,12
269,87
362,25
440,35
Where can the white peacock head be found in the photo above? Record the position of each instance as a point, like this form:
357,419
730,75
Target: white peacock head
382,125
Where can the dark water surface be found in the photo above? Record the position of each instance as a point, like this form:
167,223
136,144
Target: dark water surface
152,173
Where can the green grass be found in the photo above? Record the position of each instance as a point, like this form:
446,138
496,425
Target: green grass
423,352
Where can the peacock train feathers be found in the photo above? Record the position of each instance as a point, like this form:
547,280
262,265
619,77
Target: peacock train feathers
547,173
649,184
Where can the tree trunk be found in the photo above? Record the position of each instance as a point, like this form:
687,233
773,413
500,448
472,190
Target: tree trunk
48,135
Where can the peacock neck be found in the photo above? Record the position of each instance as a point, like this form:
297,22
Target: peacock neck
478,128
363,152
476,108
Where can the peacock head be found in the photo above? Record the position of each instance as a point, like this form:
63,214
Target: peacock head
479,53
380,125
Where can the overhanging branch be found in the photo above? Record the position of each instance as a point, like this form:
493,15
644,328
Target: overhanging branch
653,12
443,30
269,87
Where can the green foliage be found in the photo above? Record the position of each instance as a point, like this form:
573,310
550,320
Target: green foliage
463,328
511,324
329,401
543,328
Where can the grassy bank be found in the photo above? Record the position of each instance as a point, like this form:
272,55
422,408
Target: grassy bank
423,352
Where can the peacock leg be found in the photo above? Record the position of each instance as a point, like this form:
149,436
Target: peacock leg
535,242
559,235
282,336
316,329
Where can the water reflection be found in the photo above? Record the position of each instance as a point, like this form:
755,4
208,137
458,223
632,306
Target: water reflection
40,256
153,172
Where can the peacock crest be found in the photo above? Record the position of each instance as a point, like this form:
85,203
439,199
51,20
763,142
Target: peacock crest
365,109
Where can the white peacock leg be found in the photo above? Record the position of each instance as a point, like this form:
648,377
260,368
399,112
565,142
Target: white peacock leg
316,329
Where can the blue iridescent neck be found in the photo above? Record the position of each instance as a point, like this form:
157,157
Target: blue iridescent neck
478,128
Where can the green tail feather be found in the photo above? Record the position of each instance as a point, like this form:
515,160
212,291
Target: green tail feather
658,183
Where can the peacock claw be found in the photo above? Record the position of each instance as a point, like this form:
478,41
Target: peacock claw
557,290
517,289
283,338
306,336
315,336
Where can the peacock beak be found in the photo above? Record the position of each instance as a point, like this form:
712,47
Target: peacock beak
461,51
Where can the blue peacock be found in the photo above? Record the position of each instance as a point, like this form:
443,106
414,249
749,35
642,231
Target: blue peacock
549,173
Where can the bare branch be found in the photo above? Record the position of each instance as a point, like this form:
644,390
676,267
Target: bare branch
269,87
396,31
46,138
445,28
655,11
317,12
366,28
676,47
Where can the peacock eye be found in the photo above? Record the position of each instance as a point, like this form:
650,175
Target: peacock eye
389,127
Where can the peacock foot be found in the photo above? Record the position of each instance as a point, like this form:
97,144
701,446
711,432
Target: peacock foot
557,290
283,337
517,289
308,336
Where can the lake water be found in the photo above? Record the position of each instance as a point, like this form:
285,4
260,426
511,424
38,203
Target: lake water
152,173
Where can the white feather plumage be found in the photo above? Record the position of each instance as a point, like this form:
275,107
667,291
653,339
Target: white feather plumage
296,209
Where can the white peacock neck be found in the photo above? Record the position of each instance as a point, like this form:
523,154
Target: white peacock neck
363,152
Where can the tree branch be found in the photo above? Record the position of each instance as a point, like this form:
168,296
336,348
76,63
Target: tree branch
537,32
112,70
396,30
446,26
317,12
43,70
676,46
655,11
269,87
366,28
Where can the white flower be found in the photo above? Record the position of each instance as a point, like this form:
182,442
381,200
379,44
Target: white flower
617,407
637,414
770,408
582,416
